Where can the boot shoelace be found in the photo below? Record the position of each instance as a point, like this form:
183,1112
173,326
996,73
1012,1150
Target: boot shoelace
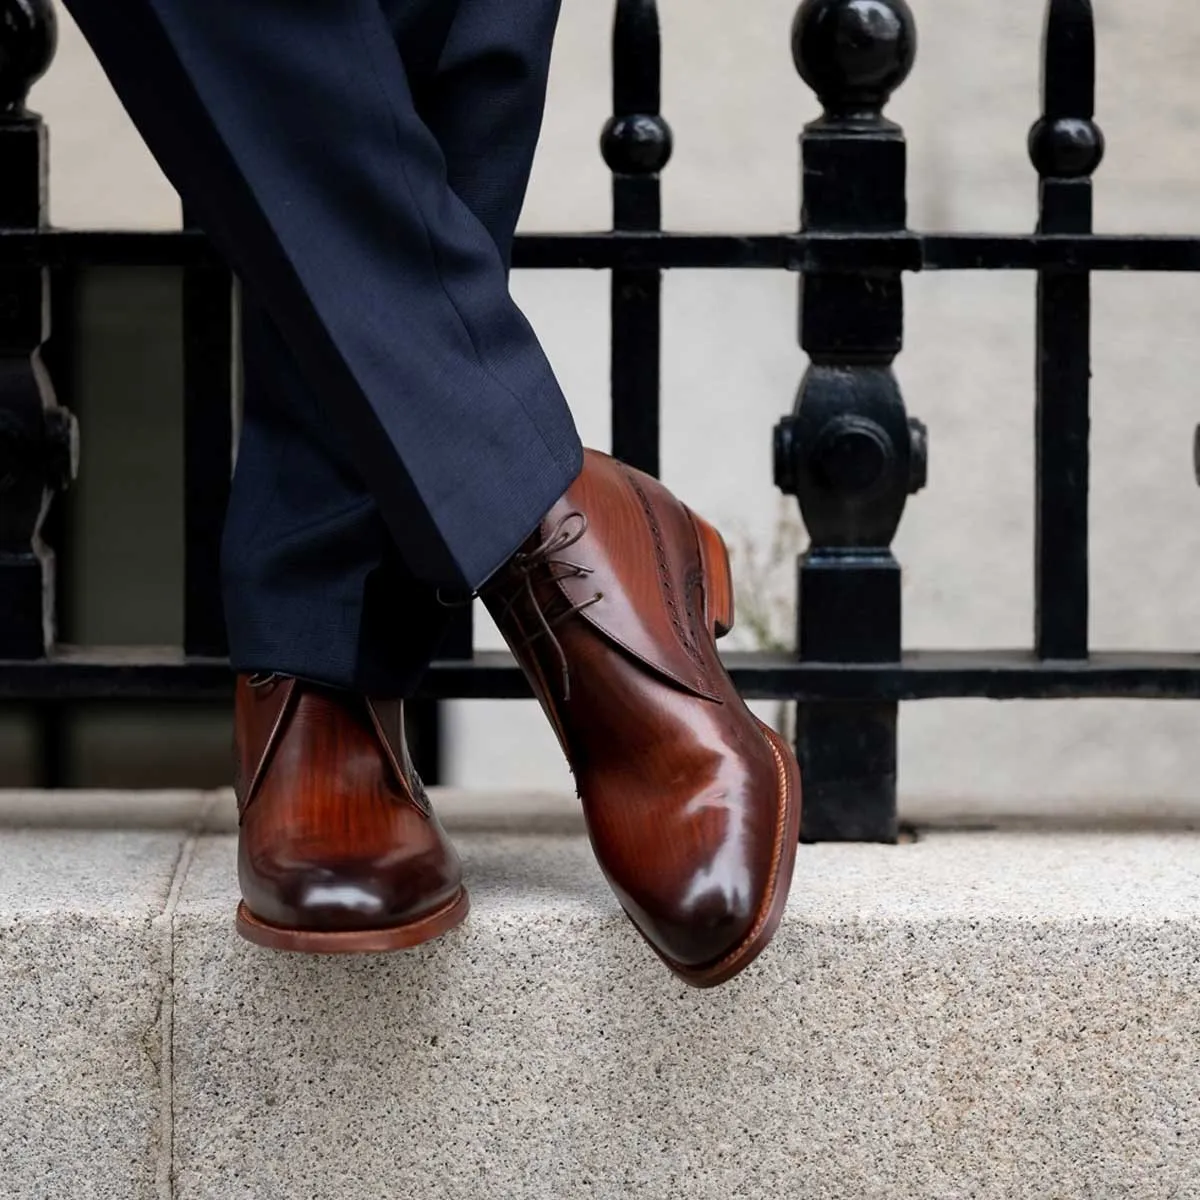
528,564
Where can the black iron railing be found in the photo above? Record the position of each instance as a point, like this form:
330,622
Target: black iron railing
849,453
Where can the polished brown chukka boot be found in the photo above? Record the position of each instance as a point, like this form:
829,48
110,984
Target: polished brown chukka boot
339,850
613,608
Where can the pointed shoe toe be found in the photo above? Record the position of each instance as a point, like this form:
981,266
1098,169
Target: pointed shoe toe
708,913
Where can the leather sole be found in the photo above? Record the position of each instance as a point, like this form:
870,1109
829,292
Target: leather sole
766,922
354,941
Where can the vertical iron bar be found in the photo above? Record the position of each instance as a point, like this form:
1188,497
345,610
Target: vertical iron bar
636,144
849,453
1066,147
38,439
208,397
59,355
423,729
52,762
425,718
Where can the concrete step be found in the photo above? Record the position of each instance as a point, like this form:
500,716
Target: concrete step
988,1014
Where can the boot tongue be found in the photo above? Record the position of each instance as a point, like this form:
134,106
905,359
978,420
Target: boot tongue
644,559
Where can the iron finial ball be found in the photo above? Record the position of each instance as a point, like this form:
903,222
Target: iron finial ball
28,39
1066,147
637,145
854,53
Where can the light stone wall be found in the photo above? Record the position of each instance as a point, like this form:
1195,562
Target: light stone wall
732,365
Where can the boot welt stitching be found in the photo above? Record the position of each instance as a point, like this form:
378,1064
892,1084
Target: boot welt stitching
785,793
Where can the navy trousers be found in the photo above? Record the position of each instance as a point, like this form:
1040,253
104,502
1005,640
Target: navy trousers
361,164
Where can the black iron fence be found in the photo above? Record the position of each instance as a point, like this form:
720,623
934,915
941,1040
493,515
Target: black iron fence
850,454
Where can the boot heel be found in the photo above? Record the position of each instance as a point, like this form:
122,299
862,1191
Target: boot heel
718,577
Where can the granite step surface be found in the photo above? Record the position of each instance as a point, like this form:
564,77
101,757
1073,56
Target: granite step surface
998,1013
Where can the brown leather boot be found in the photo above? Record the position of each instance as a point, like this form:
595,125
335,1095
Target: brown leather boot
339,851
693,806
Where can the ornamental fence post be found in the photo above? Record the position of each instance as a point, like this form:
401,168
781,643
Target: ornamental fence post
849,453
38,440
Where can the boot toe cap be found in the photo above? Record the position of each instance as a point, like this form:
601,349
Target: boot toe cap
346,897
697,931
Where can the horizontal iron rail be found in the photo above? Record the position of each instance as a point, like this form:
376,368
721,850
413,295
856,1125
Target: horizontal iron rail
149,673
631,251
